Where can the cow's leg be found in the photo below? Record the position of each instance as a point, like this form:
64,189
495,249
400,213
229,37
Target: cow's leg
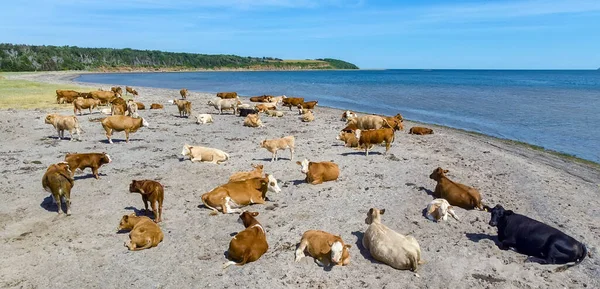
559,254
300,250
59,136
155,212
56,198
95,172
273,156
227,206
160,202
71,134
127,136
145,200
292,153
317,181
387,147
108,134
67,197
506,244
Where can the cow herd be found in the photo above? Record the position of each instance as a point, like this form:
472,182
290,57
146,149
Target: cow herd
399,251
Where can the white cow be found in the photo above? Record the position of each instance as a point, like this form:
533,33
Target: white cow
224,104
204,154
204,118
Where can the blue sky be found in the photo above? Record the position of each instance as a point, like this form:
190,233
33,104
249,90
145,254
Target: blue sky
542,34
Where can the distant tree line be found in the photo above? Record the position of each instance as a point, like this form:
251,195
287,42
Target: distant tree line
17,57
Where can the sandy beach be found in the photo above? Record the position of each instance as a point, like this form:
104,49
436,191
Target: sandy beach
44,250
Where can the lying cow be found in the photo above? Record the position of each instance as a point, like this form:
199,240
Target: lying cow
273,145
263,98
420,130
533,238
88,160
184,107
227,95
248,245
184,93
85,103
326,248
204,154
122,123
140,106
231,196
252,120
307,117
265,107
274,113
317,173
204,118
439,209
151,191
58,181
302,111
278,99
292,101
455,193
349,139
387,246
225,104
348,115
242,176
368,138
64,122
247,111
156,106
144,233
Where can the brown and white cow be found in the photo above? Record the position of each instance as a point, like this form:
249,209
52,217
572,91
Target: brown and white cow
273,145
231,196
317,173
439,209
326,248
242,176
151,191
248,245
348,115
368,138
263,98
87,160
455,193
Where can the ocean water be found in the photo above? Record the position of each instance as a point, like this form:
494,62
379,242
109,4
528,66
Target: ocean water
558,110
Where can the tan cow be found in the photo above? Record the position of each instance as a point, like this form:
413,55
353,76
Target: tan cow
151,191
366,122
122,123
140,106
184,106
204,154
455,193
274,113
105,97
368,138
117,90
252,120
349,139
225,104
265,107
326,248
67,96
156,106
88,160
248,245
204,118
273,145
317,173
231,196
64,122
420,130
307,117
389,247
144,233
184,93
242,176
132,109
129,89
58,181
226,95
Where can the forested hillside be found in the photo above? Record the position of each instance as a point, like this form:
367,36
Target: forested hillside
15,57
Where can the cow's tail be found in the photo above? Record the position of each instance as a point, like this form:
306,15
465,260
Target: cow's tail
580,259
214,210
97,119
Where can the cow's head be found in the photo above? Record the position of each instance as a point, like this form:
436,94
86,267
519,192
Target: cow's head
50,118
498,212
128,222
145,123
438,174
374,215
272,184
339,251
136,187
263,143
106,158
186,150
304,166
247,218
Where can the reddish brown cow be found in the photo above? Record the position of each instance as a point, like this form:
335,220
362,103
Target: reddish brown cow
292,101
420,130
88,160
225,95
368,138
455,193
308,104
248,245
152,191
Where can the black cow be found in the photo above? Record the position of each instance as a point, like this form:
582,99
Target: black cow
247,111
536,239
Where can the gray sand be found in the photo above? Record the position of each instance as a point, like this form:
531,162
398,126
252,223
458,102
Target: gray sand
43,250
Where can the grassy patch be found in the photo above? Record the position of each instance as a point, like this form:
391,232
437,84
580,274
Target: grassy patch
23,94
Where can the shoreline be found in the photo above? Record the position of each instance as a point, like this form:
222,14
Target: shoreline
37,243
70,76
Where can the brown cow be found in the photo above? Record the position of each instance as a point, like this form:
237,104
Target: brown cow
349,139
253,120
152,191
140,105
83,103
89,160
225,95
144,233
263,98
156,106
184,107
122,123
368,138
67,96
317,173
117,90
105,97
420,130
326,248
292,101
393,122
242,176
248,245
456,194
119,106
231,196
265,107
129,89
58,181
184,93
308,105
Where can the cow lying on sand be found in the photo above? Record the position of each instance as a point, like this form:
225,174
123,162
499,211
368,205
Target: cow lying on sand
455,193
233,195
204,154
420,130
317,173
248,245
439,209
326,248
144,233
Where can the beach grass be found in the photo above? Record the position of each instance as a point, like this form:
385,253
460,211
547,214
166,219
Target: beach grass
23,94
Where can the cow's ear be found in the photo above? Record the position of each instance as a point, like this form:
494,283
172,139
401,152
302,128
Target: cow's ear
298,163
254,214
126,217
382,211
